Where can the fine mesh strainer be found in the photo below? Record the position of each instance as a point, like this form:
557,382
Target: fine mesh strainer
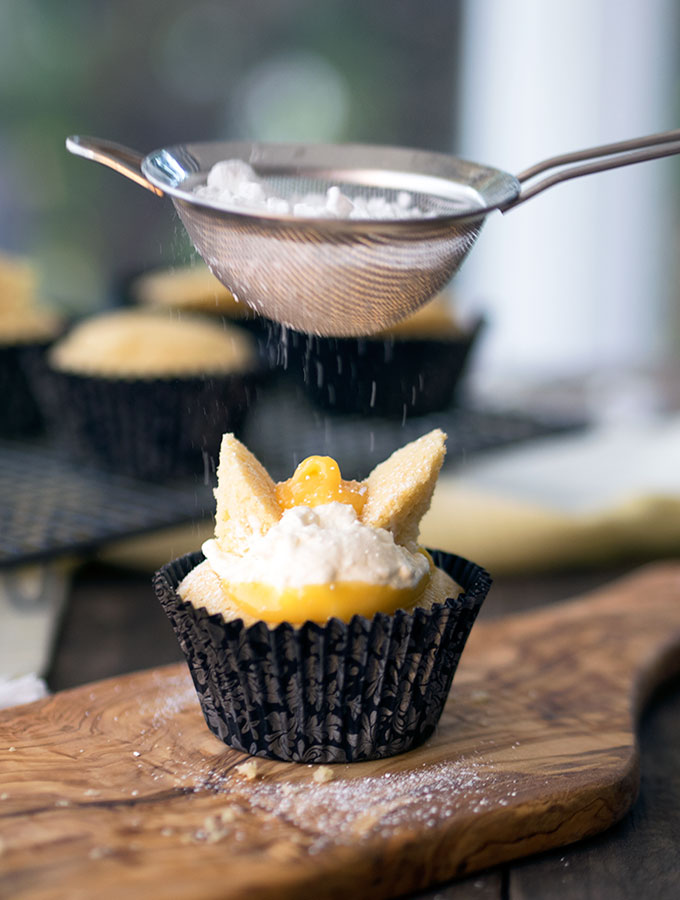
347,277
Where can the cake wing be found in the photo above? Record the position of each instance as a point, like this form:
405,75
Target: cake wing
246,497
400,488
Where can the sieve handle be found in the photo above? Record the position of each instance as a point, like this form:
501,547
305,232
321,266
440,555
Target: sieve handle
121,159
607,156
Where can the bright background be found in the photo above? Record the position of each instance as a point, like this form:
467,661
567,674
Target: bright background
582,280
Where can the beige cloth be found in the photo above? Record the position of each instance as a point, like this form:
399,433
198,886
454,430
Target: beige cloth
609,495
509,535
149,552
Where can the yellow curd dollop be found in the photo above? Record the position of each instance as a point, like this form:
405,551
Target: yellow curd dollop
320,602
318,480
384,586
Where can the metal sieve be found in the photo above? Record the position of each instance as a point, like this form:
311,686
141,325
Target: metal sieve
347,277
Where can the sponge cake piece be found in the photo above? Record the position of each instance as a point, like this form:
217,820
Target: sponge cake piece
246,498
400,488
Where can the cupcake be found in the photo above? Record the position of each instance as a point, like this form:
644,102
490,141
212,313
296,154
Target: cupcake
414,368
190,288
315,627
26,330
193,288
148,394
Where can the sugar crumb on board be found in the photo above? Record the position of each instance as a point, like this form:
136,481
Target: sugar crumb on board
323,774
248,770
217,827
99,852
346,807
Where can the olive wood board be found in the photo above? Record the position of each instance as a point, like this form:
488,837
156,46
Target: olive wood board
118,789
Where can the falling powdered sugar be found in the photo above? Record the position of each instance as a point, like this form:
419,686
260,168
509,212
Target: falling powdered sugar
234,184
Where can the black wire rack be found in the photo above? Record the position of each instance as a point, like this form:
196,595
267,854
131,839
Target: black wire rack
51,506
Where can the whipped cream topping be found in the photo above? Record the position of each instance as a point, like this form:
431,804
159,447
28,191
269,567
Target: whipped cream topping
320,545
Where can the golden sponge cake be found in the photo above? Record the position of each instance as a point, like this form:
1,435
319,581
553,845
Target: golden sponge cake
246,497
140,344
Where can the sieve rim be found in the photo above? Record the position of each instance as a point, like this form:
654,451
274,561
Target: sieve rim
417,171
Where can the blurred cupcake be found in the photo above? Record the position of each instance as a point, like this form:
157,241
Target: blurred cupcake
26,330
315,628
148,394
414,368
191,288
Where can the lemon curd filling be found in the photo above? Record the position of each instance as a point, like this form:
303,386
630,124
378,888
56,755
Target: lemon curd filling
319,602
319,560
317,480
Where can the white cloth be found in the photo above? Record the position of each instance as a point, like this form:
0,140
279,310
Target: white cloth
31,602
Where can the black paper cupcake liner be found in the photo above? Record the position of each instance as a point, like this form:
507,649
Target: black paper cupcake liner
152,429
394,376
20,414
339,692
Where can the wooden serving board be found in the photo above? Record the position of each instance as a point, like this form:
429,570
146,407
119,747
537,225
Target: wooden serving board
118,789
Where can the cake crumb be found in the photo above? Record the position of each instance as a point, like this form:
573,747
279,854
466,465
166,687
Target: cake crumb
323,774
226,815
284,851
217,827
480,697
248,770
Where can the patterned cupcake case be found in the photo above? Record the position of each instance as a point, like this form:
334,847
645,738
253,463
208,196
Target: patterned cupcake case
153,429
339,692
20,414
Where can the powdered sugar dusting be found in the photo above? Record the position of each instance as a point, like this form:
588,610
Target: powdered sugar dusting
344,809
234,184
178,694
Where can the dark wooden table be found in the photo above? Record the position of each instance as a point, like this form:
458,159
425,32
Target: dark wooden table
114,624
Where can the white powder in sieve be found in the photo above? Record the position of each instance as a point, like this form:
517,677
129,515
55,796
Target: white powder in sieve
233,183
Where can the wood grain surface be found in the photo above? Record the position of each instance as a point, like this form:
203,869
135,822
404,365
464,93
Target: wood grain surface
119,789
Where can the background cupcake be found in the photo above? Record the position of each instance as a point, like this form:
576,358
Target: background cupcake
190,288
26,330
193,288
148,394
414,368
